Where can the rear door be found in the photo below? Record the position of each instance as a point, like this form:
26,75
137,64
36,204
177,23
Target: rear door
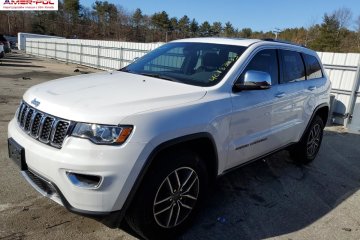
287,115
313,86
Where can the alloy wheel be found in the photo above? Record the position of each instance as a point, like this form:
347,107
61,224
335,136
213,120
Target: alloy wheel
313,142
176,197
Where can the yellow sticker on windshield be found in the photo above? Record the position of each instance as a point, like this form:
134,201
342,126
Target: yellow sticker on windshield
222,68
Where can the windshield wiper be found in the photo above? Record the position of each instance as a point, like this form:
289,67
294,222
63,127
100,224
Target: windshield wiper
156,75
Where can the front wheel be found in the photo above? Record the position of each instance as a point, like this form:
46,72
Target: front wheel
307,149
169,196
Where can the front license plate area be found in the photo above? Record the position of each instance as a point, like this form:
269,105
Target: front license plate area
17,154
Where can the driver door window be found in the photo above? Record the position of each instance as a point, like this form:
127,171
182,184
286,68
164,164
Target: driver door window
265,61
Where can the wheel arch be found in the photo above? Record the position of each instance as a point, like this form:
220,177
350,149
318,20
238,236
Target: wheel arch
322,111
201,143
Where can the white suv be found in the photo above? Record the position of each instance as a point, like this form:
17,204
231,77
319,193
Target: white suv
143,143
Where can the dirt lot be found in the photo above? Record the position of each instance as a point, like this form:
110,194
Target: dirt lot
269,199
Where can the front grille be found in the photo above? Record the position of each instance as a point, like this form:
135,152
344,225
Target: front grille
36,124
28,117
60,132
22,112
46,127
43,127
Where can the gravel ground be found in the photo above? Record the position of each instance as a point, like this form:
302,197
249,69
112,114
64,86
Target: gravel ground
268,199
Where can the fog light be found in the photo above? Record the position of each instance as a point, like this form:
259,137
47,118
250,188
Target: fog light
83,180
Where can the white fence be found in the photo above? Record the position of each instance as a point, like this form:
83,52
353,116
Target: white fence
22,37
342,68
107,55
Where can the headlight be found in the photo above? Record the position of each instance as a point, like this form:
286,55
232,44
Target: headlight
102,134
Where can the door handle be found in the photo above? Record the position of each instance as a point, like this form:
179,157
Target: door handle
280,95
311,88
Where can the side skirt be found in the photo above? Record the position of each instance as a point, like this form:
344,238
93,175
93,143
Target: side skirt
255,159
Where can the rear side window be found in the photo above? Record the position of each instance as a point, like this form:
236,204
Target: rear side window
293,66
313,68
264,61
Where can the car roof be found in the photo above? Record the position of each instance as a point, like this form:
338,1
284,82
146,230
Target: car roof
220,40
247,42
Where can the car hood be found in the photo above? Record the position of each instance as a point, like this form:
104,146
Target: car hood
108,97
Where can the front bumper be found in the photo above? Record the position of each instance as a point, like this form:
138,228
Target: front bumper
48,189
113,163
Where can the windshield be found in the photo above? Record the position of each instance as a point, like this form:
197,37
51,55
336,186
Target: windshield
200,64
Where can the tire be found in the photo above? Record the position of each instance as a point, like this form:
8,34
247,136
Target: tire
307,149
169,196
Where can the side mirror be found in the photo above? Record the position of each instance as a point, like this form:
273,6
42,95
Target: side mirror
254,80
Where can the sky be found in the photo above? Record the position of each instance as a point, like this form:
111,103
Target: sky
259,15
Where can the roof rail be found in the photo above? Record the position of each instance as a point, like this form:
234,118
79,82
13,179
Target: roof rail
282,41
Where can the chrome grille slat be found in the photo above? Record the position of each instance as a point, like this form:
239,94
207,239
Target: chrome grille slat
42,120
23,114
32,120
61,129
35,127
27,120
53,130
45,128
21,108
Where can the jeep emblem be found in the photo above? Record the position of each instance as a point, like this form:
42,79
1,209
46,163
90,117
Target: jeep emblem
35,102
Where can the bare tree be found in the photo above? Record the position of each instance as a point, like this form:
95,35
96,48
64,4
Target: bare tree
344,16
357,24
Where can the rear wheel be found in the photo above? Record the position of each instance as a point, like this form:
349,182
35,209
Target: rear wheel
169,196
307,149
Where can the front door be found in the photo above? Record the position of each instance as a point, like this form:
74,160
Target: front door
251,124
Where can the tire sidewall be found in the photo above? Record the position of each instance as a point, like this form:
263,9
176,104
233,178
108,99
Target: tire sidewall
299,151
166,164
317,121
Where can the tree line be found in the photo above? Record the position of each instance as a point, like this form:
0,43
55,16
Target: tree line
338,32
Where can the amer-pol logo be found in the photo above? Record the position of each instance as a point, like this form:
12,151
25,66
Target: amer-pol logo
29,5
